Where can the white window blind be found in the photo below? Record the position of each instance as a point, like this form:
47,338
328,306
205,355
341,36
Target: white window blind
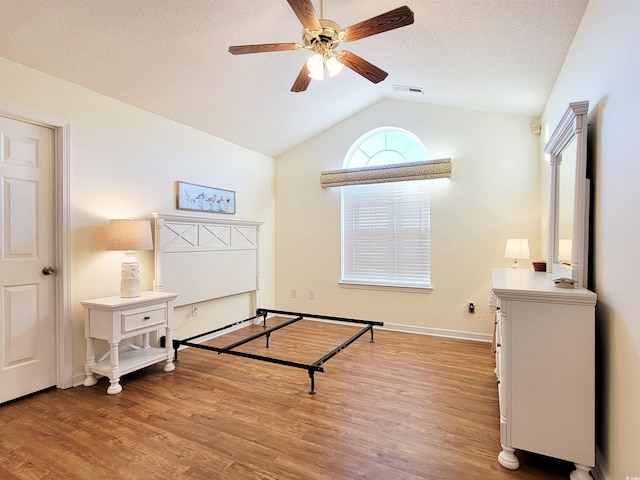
386,234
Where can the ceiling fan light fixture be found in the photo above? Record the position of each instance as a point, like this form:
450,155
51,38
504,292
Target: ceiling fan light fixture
322,36
334,66
315,64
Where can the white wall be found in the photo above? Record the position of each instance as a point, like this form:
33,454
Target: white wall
492,195
602,67
124,163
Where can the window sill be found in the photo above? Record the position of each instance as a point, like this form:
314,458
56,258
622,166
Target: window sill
388,288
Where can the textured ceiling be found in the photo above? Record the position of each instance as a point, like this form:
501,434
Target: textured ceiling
170,57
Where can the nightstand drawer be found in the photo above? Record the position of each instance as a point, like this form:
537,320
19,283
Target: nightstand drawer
147,318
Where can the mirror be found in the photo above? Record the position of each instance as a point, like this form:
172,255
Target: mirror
569,202
566,193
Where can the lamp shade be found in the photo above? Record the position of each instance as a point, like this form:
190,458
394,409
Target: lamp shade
129,235
517,249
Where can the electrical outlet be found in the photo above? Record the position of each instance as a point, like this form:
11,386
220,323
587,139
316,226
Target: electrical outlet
194,311
294,293
312,294
472,307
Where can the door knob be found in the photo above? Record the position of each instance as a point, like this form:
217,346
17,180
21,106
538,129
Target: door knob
48,270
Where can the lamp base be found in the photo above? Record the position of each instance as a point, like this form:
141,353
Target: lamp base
130,279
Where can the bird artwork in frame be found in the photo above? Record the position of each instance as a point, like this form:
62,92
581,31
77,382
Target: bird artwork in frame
205,199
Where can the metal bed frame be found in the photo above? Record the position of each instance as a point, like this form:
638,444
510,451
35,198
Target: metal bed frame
311,368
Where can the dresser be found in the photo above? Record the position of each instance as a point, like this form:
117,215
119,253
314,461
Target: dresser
545,367
125,323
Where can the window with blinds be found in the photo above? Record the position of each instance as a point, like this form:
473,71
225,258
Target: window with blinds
386,226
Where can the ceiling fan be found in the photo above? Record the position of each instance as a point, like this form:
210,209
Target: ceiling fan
322,36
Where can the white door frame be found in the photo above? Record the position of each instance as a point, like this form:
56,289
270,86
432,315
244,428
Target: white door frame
62,208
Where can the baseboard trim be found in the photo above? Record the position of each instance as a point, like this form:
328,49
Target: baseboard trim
438,332
393,327
78,379
434,332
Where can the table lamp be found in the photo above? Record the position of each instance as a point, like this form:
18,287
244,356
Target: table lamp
129,235
564,251
517,249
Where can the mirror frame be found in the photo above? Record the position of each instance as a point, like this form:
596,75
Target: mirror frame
573,125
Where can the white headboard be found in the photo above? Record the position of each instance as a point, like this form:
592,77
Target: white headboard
203,258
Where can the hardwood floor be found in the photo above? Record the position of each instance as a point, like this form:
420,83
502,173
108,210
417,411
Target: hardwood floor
405,407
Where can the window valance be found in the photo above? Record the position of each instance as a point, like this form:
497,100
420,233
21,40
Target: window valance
425,170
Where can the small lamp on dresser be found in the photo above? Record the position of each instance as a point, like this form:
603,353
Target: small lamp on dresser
129,235
564,251
517,249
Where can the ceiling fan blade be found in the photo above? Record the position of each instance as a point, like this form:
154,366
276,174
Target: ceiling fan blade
303,80
306,14
400,17
263,47
361,66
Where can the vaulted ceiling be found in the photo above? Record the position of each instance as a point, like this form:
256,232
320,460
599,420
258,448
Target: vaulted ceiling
170,57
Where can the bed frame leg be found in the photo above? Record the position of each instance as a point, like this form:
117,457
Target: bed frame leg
312,390
371,335
268,335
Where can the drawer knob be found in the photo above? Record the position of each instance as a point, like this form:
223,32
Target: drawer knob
147,317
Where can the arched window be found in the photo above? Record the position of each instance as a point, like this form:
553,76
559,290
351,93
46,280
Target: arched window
386,226
385,146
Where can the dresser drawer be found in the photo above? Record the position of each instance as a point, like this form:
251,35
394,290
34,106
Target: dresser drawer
143,319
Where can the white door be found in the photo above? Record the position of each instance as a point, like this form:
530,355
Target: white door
27,299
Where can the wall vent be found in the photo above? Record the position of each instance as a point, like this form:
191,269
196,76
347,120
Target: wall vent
407,89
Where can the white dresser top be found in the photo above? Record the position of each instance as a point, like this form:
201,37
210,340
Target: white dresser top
528,285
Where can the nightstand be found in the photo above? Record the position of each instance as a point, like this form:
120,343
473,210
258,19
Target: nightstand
115,319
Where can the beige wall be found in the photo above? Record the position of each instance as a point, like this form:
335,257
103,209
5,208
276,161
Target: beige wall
492,195
124,163
602,67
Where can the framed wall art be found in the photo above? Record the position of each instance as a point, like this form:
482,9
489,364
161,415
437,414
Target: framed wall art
205,199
